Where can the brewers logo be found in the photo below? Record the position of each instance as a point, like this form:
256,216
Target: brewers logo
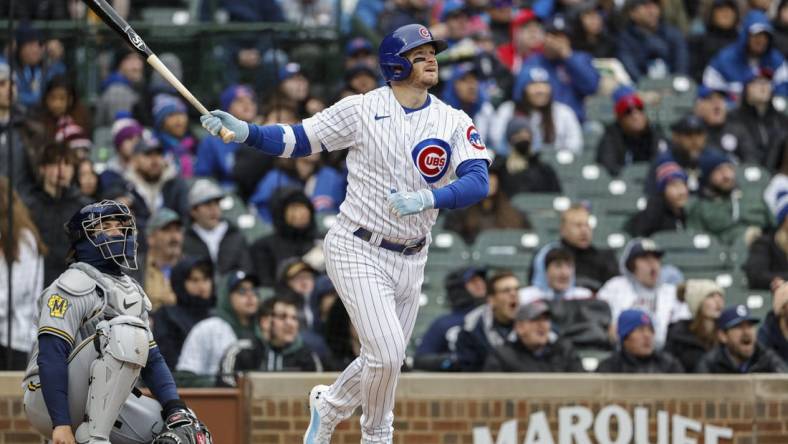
475,138
432,158
57,306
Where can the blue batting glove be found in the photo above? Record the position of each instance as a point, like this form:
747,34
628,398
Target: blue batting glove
218,119
406,203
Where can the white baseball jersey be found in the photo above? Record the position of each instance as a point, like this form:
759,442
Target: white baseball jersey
392,150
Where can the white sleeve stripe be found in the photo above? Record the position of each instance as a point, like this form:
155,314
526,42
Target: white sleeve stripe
314,141
289,139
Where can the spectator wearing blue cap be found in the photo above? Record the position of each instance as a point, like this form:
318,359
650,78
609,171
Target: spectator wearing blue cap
666,210
294,90
172,130
767,261
215,158
32,71
553,124
571,74
758,118
465,290
752,52
721,29
719,211
466,91
773,333
637,352
642,286
359,51
688,142
722,131
631,138
739,351
553,278
649,47
207,342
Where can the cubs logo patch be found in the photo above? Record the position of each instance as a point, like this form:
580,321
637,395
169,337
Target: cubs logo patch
424,32
432,158
57,306
474,138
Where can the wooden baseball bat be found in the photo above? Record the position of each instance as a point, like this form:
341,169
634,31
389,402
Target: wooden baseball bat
111,18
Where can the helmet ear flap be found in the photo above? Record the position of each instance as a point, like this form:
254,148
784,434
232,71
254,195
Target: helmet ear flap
396,67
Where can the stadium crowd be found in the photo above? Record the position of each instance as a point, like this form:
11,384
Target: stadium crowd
230,241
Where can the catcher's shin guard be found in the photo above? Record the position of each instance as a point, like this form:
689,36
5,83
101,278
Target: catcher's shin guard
123,345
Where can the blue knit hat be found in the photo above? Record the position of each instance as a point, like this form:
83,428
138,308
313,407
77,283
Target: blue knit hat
709,161
528,76
631,319
164,105
668,172
232,92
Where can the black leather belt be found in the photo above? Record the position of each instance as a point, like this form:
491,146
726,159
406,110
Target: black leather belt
406,250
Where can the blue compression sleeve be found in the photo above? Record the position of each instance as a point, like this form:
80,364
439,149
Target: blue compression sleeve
471,186
270,139
158,377
53,372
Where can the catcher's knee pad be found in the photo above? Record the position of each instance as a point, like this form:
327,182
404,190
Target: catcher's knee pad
122,343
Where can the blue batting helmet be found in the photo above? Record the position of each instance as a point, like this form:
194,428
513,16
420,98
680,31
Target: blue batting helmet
393,65
91,239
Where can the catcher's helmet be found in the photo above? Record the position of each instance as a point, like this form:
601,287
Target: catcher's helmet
89,235
393,65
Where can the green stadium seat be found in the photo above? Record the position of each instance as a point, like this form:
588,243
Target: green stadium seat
635,174
599,108
506,249
692,252
165,16
536,203
324,222
669,85
232,206
253,227
447,251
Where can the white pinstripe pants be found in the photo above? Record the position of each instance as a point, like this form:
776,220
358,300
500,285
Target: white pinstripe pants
380,290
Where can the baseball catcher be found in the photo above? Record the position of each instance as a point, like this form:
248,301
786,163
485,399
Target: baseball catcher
94,344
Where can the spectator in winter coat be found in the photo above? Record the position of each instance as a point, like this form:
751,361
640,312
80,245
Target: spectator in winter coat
295,234
758,118
722,131
165,249
589,31
773,333
209,235
126,133
120,91
536,348
465,90
209,339
641,287
631,138
465,290
571,75
192,282
593,265
14,134
689,339
649,47
553,278
521,171
751,53
54,198
33,72
488,325
297,278
552,123
688,142
493,212
717,212
739,351
720,30
27,276
283,350
780,24
172,129
60,106
767,261
215,158
666,210
637,351
527,38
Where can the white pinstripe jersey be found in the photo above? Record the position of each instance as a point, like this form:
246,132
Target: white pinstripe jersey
391,149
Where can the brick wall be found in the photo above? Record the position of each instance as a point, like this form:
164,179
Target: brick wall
444,409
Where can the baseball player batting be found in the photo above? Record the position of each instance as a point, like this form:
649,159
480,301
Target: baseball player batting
404,144
93,343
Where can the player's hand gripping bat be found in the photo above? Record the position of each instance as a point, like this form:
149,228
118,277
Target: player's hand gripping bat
109,16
